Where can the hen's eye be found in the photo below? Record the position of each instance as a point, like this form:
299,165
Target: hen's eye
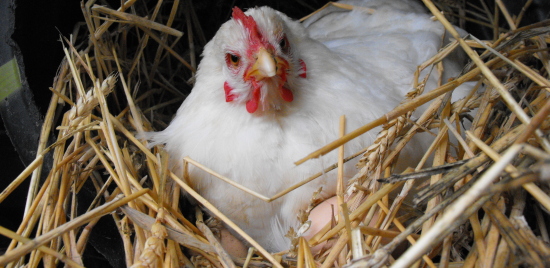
232,59
284,45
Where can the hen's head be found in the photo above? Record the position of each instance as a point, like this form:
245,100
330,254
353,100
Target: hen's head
258,59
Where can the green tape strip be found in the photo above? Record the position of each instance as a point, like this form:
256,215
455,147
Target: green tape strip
10,80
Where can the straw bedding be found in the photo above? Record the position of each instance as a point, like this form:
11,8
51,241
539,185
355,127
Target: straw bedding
482,200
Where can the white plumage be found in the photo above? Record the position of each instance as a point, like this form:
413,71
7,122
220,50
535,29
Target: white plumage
250,123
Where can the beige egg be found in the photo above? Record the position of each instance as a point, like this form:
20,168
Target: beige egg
319,217
232,245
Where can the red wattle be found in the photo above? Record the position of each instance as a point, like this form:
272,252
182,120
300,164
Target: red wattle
286,94
253,103
229,97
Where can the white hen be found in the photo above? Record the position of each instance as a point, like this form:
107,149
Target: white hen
269,90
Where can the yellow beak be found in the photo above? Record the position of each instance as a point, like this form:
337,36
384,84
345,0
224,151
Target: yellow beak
264,67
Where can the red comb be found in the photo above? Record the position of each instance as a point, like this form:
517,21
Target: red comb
248,22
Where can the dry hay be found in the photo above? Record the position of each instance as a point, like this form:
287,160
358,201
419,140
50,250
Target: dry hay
484,204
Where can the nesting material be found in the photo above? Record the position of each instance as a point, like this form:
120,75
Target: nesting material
482,200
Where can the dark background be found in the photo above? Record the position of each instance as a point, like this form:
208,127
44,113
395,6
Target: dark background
40,23
36,32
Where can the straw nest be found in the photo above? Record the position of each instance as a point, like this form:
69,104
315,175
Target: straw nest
484,203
